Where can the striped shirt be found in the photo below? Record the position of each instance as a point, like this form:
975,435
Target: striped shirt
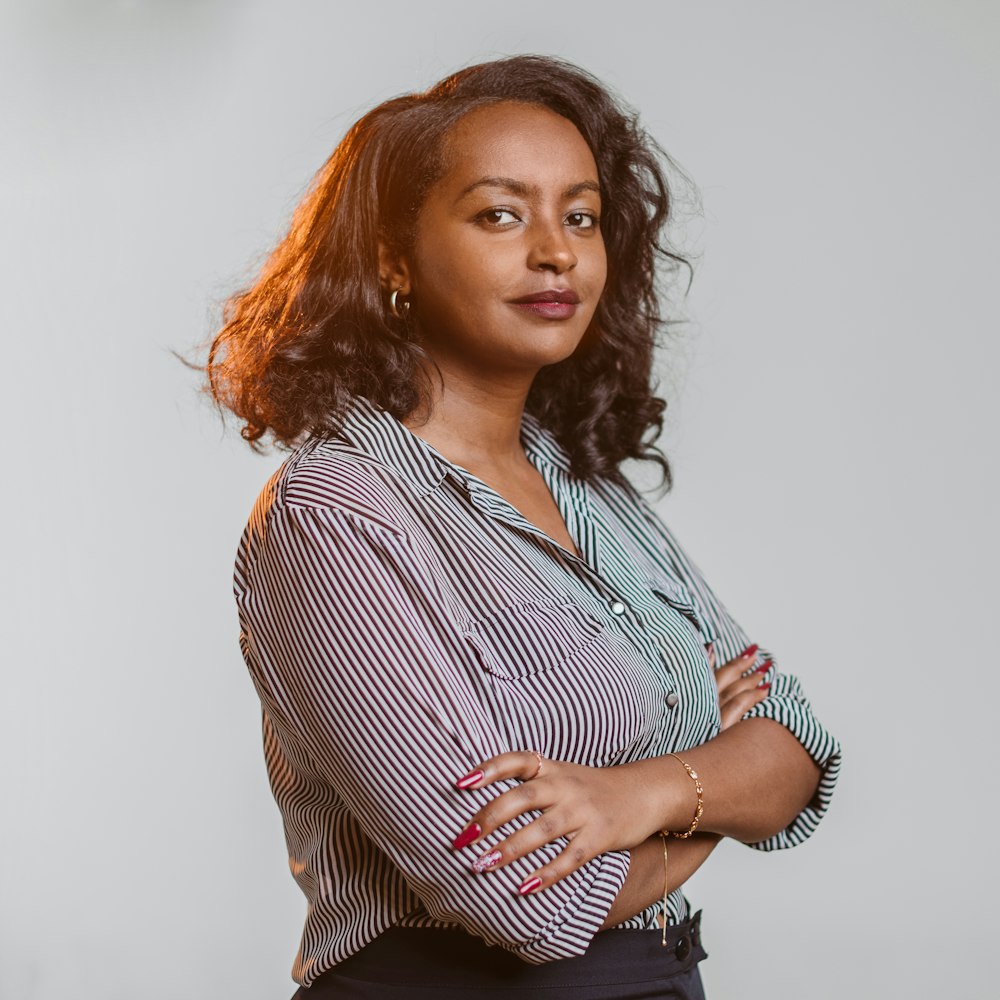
401,622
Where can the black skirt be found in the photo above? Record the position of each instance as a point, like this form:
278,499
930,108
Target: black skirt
446,964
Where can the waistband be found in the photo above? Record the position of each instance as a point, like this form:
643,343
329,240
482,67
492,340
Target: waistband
450,958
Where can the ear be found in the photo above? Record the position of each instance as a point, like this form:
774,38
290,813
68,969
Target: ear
393,270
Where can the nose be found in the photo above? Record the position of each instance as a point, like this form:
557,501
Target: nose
551,249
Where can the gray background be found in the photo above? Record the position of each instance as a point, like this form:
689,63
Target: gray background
831,428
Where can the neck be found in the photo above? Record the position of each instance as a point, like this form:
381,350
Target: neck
475,425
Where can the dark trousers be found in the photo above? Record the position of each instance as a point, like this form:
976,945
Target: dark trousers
446,964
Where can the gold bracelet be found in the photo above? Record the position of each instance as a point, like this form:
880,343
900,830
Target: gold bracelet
666,888
699,808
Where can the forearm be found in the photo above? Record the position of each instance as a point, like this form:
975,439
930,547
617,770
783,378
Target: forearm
756,775
644,884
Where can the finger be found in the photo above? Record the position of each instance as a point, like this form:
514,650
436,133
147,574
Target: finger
544,829
735,709
523,764
573,856
741,684
737,688
710,651
756,687
728,672
530,796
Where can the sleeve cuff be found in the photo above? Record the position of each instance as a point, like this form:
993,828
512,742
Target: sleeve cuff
789,707
570,932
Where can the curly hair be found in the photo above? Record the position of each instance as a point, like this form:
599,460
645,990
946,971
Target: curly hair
313,330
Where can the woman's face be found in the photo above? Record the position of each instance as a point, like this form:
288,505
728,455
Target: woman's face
509,262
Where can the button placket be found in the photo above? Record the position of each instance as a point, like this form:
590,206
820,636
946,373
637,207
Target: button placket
628,627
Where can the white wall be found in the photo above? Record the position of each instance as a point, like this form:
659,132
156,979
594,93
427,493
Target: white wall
830,429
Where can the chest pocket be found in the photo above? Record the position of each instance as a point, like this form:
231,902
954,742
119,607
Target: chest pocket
528,638
680,599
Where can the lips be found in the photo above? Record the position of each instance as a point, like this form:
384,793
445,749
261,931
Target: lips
552,303
564,296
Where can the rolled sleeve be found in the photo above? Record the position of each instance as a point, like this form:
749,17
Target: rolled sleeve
583,913
352,651
787,705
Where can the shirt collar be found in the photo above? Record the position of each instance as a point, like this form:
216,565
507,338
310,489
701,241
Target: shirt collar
378,433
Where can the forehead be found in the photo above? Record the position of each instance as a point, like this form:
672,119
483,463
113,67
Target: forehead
522,141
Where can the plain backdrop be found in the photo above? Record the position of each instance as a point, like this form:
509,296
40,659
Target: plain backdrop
831,425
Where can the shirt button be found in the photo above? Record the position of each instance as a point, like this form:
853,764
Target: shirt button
672,699
617,608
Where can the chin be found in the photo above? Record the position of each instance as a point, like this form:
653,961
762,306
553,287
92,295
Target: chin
556,339
552,355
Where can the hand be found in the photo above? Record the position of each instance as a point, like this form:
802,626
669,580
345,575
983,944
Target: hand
595,807
739,691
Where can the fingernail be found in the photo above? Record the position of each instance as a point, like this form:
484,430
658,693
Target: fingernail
764,667
750,650
764,687
472,832
470,779
486,861
529,886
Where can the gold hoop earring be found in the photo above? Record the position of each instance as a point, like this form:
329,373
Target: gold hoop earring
394,305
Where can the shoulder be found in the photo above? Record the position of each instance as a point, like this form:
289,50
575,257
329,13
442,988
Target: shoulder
327,474
325,489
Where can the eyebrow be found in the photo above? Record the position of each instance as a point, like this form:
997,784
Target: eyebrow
520,188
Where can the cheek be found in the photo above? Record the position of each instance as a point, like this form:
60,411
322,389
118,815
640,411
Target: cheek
601,269
461,271
593,268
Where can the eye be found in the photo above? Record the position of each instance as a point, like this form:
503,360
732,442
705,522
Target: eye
498,216
581,220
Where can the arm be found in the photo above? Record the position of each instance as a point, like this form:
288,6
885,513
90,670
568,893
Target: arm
353,651
757,779
644,883
756,775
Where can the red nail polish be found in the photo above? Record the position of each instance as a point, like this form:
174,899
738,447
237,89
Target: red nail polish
470,779
764,687
472,832
764,667
750,651
529,886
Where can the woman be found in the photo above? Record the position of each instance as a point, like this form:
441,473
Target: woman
491,719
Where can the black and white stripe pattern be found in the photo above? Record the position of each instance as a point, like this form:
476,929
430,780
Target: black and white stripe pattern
401,621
